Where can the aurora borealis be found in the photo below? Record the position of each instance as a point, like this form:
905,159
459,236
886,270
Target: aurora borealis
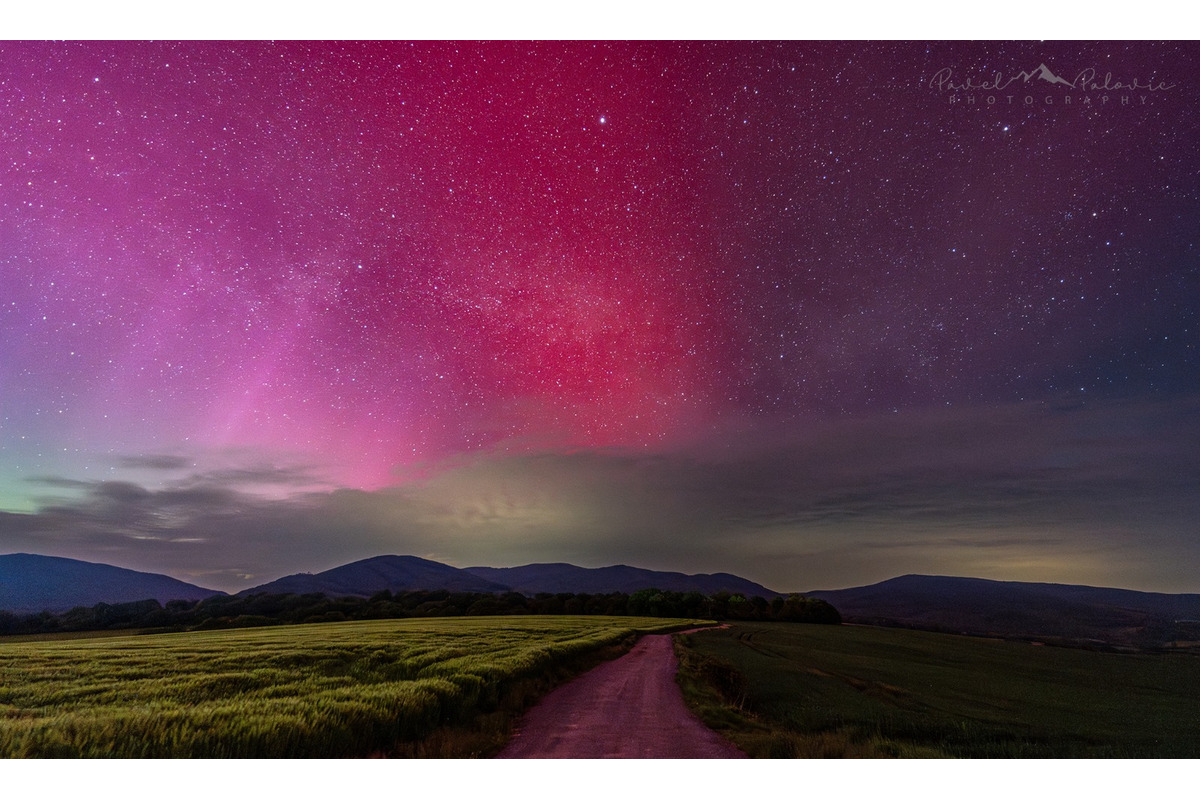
798,311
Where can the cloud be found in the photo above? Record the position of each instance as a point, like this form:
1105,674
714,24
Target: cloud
262,475
1101,494
154,462
119,492
58,482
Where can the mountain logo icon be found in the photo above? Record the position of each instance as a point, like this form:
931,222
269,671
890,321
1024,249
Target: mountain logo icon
1046,74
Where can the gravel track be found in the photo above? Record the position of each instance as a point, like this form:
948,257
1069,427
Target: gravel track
630,707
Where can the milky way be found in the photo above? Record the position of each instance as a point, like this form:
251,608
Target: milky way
296,270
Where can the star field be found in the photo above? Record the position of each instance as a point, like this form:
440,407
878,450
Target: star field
347,265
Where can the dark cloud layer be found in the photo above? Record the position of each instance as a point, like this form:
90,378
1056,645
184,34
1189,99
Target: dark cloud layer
159,462
1101,494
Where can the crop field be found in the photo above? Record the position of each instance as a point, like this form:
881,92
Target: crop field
814,690
335,689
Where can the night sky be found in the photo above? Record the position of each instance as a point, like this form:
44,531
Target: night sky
818,314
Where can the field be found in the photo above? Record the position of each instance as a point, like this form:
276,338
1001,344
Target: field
336,689
814,690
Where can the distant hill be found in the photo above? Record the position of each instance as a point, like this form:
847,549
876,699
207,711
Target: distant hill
31,583
1046,611
392,573
556,578
408,573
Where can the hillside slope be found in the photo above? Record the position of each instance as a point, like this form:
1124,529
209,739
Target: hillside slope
33,583
1054,612
556,578
392,573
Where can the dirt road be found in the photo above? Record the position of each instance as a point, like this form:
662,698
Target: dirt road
627,708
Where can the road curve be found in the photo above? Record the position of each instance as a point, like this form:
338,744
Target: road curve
630,707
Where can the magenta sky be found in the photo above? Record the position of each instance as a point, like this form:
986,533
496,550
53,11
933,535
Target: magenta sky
799,311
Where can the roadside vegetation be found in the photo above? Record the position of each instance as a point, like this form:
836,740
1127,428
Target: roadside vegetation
446,687
244,611
855,691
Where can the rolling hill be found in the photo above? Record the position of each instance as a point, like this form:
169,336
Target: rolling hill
407,573
1047,611
392,573
1051,613
33,583
555,578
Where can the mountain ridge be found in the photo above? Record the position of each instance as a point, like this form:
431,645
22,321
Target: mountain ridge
556,577
376,574
1053,612
31,583
1047,612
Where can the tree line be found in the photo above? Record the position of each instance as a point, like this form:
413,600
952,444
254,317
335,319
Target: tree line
237,611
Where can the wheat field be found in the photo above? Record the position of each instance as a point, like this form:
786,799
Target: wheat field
334,689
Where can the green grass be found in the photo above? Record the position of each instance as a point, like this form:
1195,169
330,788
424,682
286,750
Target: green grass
809,690
338,689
